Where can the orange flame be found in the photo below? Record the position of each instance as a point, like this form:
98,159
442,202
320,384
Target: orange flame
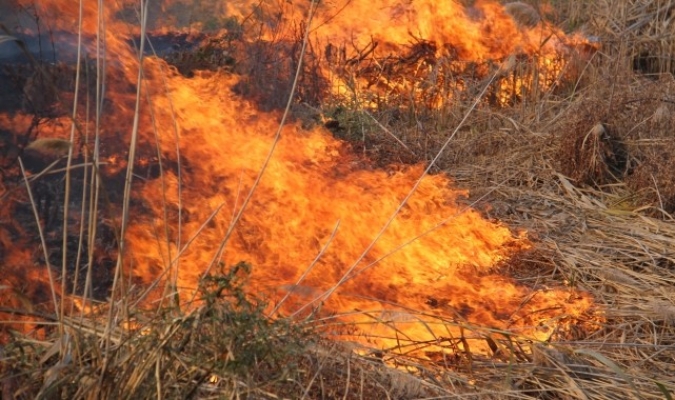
316,199
317,205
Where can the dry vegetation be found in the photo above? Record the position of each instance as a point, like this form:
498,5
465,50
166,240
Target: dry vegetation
585,168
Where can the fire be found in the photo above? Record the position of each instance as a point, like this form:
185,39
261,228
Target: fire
317,200
387,50
320,220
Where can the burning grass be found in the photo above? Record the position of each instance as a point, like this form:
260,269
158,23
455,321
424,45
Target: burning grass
578,156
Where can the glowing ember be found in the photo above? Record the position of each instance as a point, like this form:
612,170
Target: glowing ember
317,208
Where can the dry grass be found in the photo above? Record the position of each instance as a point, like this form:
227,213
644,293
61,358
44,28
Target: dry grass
640,32
586,169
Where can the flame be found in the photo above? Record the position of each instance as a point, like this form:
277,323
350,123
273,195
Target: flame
316,199
318,212
404,48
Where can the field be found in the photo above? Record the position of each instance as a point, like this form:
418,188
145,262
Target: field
368,200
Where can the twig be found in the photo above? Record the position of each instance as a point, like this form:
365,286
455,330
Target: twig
42,238
389,132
